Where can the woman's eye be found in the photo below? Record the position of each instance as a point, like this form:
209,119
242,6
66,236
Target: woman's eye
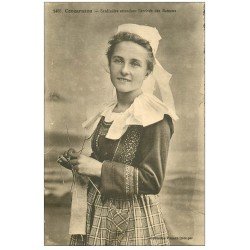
117,60
135,64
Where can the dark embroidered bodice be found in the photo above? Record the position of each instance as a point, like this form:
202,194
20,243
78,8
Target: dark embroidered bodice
135,163
122,150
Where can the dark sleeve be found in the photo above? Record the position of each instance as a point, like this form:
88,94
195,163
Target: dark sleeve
147,177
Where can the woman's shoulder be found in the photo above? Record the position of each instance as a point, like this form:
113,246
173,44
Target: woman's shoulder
164,125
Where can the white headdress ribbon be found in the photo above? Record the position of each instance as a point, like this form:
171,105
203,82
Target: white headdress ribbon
159,77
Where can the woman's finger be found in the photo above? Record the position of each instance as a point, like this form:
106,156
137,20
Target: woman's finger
63,162
65,154
67,162
71,150
64,159
60,159
72,153
74,162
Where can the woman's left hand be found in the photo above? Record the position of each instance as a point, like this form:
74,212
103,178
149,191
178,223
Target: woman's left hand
68,159
81,163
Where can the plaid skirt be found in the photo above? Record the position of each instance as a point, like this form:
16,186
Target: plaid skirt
131,221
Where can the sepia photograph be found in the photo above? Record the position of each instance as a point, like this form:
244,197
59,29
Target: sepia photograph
124,124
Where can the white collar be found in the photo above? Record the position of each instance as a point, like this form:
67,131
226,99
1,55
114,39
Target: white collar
145,110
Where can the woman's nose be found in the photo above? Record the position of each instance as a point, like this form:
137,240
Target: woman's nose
125,69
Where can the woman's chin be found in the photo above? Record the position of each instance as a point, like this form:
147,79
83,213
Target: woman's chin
123,88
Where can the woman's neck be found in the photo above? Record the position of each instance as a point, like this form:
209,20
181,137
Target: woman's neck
125,99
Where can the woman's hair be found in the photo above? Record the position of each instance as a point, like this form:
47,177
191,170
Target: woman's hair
130,37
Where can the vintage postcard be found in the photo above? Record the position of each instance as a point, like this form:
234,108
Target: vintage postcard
124,123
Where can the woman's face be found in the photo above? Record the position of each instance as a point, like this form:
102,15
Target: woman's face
128,66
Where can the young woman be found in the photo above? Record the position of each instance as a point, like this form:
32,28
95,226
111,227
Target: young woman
129,142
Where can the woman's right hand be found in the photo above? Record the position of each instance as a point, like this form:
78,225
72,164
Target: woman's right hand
69,159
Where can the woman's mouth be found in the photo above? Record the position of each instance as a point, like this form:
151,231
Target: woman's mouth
123,79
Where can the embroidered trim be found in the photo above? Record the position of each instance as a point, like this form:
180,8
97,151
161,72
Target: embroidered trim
101,130
95,139
130,141
129,180
136,181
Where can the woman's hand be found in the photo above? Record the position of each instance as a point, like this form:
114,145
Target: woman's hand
69,159
81,163
89,166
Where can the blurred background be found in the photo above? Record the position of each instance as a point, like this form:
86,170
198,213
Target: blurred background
77,85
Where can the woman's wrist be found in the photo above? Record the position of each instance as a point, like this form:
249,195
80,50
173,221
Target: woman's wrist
89,166
98,169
